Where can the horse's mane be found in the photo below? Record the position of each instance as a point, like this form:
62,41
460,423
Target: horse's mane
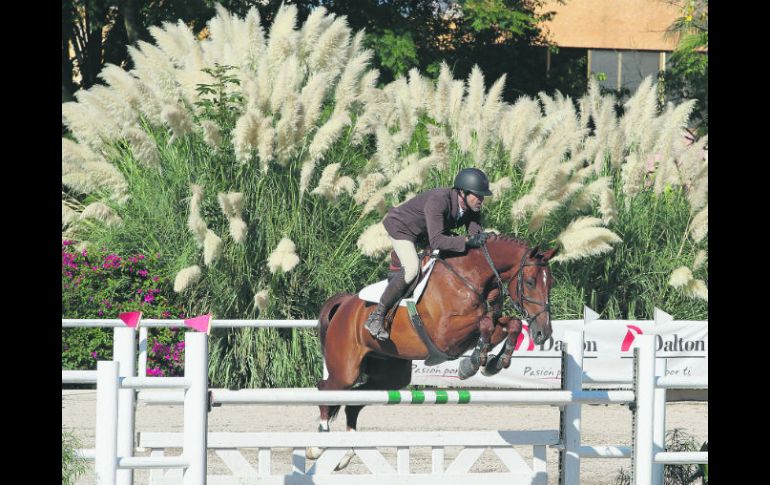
511,239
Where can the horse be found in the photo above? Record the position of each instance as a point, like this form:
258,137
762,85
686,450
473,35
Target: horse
461,305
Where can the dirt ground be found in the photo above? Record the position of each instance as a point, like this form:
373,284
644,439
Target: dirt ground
602,425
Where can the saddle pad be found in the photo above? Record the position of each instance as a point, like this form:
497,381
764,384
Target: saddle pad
374,291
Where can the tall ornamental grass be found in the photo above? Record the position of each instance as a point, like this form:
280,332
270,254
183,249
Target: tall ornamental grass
264,160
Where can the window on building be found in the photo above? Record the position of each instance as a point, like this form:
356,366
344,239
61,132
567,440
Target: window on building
624,69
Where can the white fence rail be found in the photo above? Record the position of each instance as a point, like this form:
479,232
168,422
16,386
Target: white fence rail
115,425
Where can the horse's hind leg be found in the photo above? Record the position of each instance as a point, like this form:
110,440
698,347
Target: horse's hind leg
343,368
383,374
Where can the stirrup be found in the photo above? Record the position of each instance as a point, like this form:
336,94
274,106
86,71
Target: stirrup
378,333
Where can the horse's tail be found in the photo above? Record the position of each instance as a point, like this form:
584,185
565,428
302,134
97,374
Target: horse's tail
327,312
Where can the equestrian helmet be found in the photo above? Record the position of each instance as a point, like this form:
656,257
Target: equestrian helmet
472,180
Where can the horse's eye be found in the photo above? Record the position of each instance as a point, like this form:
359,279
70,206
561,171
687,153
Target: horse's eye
531,282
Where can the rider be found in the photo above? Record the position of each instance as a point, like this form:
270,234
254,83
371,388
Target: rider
426,219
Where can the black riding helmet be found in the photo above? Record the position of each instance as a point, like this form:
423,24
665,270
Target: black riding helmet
472,180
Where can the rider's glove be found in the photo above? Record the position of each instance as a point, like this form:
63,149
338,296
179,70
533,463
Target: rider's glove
477,240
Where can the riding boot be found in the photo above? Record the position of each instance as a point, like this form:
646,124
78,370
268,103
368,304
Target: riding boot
390,296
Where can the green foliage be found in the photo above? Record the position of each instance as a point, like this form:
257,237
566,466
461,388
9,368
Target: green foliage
687,76
629,282
676,440
101,284
217,101
396,53
625,283
71,465
499,15
680,440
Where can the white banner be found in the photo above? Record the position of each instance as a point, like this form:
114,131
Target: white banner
682,348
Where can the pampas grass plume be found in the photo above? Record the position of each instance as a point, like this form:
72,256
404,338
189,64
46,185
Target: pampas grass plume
100,212
697,289
582,239
186,278
368,186
680,277
261,300
194,222
212,248
700,225
211,134
283,258
374,240
238,230
499,186
700,258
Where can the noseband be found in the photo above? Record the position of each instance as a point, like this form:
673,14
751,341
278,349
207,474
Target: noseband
518,305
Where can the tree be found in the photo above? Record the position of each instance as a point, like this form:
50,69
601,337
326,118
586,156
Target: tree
501,36
98,32
687,77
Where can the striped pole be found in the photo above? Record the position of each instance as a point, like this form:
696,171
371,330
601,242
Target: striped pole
406,397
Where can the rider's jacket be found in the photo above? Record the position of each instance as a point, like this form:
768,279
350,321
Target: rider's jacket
428,218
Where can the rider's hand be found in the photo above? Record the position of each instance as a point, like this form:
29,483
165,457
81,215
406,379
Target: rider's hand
477,240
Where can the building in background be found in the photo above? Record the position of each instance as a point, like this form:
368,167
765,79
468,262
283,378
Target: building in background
624,40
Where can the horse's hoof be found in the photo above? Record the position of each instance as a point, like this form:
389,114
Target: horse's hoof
344,461
313,452
467,369
494,365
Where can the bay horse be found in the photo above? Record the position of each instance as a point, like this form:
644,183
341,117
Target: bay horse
461,305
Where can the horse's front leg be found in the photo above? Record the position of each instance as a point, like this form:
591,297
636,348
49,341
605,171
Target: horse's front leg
503,361
470,366
514,331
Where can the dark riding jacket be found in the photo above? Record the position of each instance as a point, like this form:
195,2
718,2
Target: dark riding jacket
428,218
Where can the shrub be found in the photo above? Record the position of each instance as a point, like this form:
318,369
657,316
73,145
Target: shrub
72,466
262,163
102,284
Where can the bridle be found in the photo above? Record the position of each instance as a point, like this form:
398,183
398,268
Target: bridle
518,304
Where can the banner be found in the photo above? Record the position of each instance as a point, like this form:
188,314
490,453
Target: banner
682,349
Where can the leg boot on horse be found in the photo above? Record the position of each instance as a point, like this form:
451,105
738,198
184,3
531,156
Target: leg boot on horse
392,293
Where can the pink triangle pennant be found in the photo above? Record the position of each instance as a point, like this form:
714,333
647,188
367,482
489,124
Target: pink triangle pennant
201,323
131,319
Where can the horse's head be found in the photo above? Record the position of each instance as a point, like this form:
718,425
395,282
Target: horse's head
530,289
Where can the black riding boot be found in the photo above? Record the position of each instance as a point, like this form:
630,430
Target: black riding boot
390,296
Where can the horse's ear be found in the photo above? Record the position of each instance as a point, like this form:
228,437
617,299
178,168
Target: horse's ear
534,252
550,253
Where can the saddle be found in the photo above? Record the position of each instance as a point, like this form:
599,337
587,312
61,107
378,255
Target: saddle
393,270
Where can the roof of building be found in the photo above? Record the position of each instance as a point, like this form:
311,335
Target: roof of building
612,24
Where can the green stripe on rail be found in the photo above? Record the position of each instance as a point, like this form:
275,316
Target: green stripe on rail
441,397
418,397
394,397
465,397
